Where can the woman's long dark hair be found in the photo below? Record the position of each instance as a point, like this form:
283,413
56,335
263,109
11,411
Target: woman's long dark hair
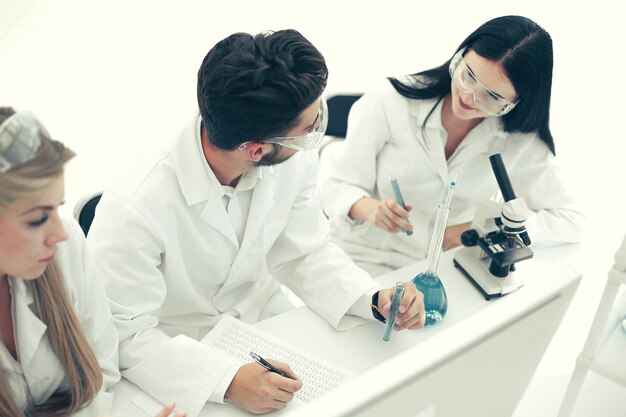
524,49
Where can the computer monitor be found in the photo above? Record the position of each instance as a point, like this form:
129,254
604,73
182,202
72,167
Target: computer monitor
474,368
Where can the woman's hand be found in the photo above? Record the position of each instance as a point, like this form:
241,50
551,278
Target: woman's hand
387,215
164,413
167,410
452,235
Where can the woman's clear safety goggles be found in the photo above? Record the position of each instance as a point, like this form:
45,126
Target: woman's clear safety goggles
483,98
310,140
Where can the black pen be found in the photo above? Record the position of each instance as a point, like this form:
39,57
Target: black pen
267,365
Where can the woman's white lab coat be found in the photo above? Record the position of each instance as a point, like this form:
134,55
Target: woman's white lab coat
40,365
386,133
173,266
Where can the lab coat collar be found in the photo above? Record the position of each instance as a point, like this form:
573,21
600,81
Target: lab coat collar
199,184
263,200
197,181
484,140
31,329
194,181
247,181
487,138
215,212
189,164
419,109
430,142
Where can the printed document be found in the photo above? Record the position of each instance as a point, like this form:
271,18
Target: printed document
239,339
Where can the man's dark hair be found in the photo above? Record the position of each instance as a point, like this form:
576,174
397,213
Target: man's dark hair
252,88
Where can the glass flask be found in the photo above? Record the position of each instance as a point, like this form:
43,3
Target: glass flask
435,298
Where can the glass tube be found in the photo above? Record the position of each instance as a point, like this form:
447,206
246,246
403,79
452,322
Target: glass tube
395,306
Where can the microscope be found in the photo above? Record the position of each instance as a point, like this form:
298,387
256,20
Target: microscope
497,240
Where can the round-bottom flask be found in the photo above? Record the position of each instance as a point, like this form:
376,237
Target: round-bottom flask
435,298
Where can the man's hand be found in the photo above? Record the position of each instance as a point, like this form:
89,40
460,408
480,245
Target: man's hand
411,314
259,391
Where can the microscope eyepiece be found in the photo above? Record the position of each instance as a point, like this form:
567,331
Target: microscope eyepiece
499,170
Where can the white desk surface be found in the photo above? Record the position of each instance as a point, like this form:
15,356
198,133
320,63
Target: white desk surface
304,328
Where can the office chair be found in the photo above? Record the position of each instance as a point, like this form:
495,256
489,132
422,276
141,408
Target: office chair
338,108
85,210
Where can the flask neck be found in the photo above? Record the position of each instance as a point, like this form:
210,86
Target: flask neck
431,264
436,240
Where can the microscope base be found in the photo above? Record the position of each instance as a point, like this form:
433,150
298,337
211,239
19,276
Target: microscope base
475,266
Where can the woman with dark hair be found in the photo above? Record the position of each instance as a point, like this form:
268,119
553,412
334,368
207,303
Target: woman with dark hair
492,96
58,343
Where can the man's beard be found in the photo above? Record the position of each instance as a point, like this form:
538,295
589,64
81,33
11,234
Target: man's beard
272,158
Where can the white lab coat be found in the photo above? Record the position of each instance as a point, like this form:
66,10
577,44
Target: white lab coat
40,365
385,134
173,265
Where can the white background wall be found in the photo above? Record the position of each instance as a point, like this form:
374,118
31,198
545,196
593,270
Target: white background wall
107,76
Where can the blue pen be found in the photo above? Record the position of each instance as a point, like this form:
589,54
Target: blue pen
395,306
398,195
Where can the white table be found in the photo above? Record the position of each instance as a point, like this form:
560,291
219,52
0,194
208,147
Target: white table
305,329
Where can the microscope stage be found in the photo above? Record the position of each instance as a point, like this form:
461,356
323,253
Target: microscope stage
476,268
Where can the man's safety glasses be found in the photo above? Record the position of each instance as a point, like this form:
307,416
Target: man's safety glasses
310,140
482,98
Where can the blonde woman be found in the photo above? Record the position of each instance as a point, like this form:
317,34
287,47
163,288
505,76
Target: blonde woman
58,344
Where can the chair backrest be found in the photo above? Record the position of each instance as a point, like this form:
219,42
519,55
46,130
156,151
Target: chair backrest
85,210
338,108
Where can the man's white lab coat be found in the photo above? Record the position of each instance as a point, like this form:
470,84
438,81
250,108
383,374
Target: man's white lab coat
173,265
40,365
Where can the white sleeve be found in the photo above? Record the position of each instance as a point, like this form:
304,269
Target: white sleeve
128,256
318,271
351,165
555,218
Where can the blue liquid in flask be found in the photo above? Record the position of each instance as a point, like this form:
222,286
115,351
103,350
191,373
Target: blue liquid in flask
435,298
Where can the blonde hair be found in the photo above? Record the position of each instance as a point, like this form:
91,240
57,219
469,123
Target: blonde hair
52,306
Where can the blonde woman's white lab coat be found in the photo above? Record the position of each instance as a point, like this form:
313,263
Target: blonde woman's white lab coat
40,365
173,265
386,133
